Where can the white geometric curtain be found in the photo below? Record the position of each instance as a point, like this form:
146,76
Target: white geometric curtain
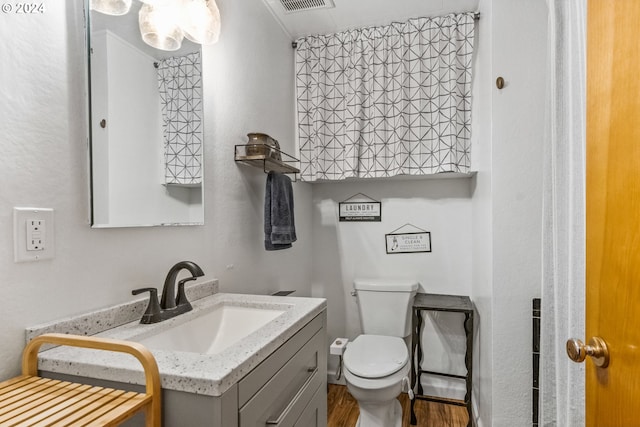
562,399
386,101
180,84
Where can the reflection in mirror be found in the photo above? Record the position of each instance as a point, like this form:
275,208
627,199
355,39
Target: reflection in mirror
146,127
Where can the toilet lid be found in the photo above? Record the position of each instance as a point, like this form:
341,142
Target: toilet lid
375,356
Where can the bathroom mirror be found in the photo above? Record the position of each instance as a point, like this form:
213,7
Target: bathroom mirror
146,128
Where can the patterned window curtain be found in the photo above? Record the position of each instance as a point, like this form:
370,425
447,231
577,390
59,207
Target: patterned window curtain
386,101
180,84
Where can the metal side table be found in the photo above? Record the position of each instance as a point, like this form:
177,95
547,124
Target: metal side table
452,304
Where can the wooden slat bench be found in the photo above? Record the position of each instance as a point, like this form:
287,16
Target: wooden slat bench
29,400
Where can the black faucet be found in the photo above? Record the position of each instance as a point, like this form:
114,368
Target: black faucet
169,300
170,305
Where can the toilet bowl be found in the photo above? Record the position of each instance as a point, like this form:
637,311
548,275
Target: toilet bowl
375,368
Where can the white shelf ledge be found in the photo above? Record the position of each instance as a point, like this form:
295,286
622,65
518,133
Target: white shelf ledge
436,176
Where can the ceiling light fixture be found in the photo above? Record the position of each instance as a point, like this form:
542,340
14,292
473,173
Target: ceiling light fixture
164,23
200,21
111,7
158,26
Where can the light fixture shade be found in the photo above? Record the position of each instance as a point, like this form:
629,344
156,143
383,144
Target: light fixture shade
158,26
157,2
200,21
111,7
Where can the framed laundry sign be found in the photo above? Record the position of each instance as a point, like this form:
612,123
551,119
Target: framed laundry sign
407,242
354,210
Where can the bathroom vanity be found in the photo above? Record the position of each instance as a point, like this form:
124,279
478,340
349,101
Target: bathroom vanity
274,375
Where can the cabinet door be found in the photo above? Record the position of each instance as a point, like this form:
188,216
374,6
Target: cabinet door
315,414
281,401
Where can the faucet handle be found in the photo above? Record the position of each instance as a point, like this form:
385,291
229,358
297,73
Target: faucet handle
153,313
181,299
142,290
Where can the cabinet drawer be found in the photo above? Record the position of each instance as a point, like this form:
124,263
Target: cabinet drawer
284,397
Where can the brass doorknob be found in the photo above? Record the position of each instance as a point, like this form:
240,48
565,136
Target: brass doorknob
596,349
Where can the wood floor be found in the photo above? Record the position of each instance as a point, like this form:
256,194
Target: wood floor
343,411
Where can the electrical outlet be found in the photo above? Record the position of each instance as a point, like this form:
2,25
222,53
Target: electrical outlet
36,234
33,234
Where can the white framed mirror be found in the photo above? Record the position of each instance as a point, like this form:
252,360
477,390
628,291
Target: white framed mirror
146,126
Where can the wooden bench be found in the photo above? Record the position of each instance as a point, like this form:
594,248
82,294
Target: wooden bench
29,400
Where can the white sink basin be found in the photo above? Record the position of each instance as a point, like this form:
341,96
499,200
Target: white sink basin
214,331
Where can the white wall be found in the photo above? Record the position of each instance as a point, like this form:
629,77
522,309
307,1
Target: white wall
482,265
343,251
248,88
519,54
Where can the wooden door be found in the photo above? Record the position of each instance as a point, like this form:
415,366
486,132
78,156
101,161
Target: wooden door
613,209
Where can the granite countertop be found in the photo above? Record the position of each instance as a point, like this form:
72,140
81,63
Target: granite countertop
183,371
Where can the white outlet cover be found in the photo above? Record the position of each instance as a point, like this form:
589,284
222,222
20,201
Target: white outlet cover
20,218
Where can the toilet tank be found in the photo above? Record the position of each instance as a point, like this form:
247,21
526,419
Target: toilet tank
385,305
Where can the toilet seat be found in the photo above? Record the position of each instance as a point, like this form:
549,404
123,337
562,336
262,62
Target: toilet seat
375,356
392,380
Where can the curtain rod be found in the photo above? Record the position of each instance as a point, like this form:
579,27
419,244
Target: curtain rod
476,16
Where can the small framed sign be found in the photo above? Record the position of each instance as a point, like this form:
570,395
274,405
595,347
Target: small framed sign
404,243
362,211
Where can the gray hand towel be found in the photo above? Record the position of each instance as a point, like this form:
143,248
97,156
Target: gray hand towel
279,224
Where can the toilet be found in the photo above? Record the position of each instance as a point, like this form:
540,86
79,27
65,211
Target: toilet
376,364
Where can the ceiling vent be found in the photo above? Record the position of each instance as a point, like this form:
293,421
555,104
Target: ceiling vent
291,6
